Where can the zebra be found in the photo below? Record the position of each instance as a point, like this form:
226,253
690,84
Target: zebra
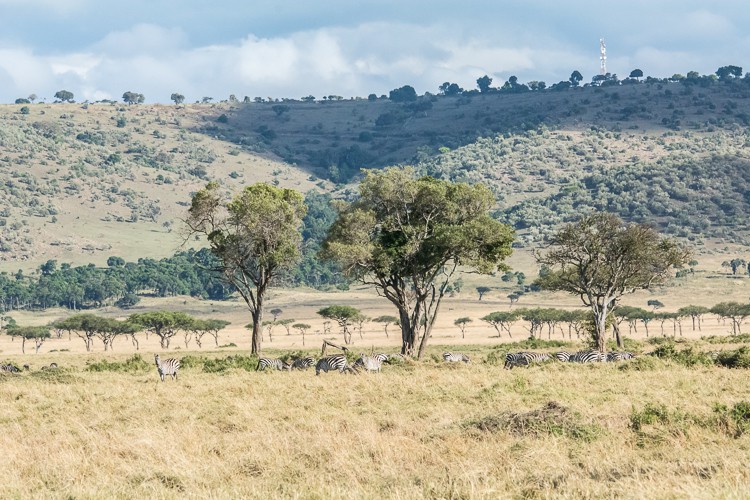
264,363
167,367
619,356
370,363
524,358
302,363
563,356
9,368
455,357
588,357
52,365
330,363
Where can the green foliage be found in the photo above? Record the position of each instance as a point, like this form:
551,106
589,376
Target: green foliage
688,357
238,362
734,420
403,94
134,364
734,359
416,231
727,339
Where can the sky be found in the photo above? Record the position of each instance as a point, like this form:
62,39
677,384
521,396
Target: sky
99,49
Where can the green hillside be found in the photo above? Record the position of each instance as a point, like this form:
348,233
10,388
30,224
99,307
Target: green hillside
82,182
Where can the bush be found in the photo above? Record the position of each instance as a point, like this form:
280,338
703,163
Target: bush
686,357
134,364
734,421
248,363
734,359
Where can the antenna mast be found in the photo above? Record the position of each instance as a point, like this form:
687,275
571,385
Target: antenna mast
602,57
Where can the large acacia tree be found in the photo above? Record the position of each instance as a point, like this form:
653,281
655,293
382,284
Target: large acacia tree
255,236
600,258
406,236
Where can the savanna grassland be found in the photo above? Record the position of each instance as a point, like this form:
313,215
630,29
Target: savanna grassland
82,182
651,428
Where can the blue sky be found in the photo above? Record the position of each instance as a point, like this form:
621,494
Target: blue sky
99,49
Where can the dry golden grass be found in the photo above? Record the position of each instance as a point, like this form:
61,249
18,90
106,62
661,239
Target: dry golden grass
406,433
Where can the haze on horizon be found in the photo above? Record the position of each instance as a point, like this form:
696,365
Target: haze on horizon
98,50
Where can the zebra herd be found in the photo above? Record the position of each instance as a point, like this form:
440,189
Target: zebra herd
514,359
11,368
336,362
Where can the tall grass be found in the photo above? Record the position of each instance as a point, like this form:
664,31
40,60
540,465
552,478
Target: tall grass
420,429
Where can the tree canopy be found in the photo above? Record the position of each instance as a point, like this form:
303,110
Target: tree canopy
254,236
600,258
406,236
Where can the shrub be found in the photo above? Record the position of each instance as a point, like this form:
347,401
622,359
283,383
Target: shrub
734,421
248,363
134,364
734,359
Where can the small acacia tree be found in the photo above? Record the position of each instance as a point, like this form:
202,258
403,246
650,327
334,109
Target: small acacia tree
406,236
345,316
302,328
600,258
386,320
501,320
462,323
164,324
38,334
254,236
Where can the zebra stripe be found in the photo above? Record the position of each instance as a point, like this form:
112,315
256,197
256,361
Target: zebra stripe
524,358
331,363
619,356
563,356
302,363
167,367
588,357
272,363
455,357
9,368
370,363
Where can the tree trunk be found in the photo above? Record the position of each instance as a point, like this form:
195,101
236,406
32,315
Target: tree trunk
257,339
616,329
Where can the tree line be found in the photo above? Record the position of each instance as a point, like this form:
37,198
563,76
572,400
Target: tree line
164,324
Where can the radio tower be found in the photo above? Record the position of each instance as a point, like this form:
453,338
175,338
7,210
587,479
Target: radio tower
602,57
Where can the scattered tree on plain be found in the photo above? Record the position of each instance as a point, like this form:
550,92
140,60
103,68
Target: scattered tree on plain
600,259
406,236
255,237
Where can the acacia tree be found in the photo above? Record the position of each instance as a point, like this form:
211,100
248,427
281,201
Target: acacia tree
36,333
345,316
462,323
255,236
86,326
386,320
695,312
165,324
600,259
501,320
302,328
406,236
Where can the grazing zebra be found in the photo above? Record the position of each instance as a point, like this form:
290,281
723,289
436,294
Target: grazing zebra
9,369
524,358
330,363
272,363
370,363
455,357
302,363
619,356
166,367
563,356
588,357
